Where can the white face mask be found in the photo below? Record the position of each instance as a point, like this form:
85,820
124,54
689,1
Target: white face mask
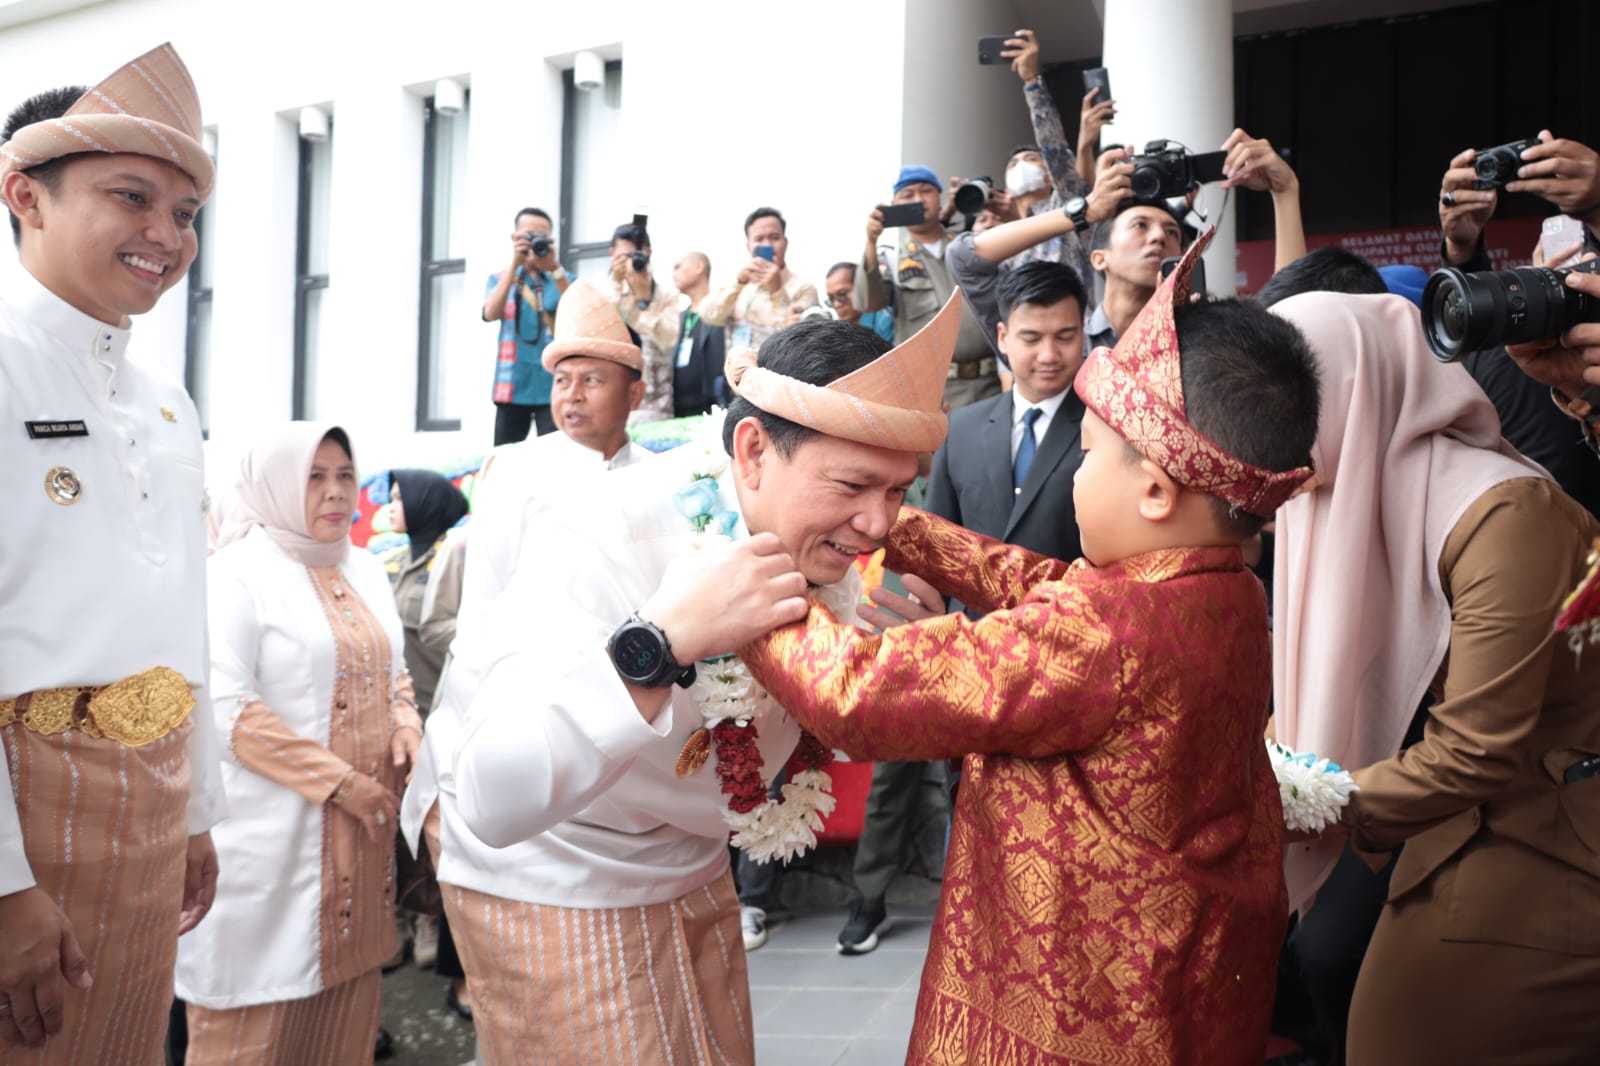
1024,178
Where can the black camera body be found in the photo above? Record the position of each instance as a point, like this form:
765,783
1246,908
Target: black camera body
972,195
641,261
1166,170
539,244
1464,313
1497,166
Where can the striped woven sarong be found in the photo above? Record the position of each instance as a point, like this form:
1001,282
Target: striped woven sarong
659,985
105,829
337,1026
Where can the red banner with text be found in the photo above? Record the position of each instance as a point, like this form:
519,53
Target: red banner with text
1510,242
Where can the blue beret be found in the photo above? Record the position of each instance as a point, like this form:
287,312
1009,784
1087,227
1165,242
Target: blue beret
1405,280
913,173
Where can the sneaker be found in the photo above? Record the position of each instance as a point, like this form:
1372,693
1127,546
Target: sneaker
425,944
753,922
867,921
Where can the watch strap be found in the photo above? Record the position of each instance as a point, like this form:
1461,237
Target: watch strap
668,671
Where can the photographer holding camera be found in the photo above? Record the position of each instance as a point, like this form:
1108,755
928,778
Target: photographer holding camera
910,273
523,299
1565,173
766,293
650,310
977,259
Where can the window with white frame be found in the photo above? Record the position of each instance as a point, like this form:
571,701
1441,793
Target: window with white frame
311,264
594,184
444,306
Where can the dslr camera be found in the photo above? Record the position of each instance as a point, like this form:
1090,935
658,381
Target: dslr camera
1166,170
1464,313
972,195
539,244
1496,166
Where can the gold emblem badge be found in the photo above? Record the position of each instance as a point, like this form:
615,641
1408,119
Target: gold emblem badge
63,486
166,412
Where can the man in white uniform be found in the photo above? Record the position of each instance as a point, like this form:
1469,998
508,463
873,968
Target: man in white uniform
586,871
114,782
590,400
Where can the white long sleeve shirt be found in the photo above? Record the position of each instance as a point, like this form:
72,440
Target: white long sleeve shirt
518,485
113,583
556,765
270,643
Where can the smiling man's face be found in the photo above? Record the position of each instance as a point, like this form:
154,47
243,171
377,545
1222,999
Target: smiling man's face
113,235
829,500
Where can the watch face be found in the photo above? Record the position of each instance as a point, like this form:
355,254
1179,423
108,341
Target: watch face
637,652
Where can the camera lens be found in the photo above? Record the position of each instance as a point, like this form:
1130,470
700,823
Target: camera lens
1464,313
640,260
1489,167
540,244
1146,181
971,197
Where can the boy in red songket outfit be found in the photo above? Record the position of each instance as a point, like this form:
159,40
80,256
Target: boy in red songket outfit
1114,891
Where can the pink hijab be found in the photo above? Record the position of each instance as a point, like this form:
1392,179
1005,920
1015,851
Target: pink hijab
1360,620
270,492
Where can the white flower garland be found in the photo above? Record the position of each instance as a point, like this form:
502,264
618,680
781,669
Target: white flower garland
723,690
1313,790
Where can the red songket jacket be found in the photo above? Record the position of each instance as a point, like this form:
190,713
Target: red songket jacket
1114,890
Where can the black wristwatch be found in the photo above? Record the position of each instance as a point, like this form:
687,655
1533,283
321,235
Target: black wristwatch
643,656
1077,209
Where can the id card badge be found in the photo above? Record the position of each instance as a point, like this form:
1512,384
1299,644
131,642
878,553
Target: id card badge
741,336
685,349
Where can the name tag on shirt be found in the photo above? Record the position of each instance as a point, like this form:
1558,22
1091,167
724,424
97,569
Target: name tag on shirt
70,427
685,349
741,336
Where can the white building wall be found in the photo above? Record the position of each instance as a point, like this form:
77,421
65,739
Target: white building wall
726,105
963,119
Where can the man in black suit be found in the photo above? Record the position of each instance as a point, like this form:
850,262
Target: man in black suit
1005,471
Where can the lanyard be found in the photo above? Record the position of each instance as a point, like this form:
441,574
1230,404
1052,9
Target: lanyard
535,296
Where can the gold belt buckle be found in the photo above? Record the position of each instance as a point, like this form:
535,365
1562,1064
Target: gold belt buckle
135,711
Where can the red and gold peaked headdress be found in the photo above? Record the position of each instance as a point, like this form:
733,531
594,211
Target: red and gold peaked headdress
1137,388
147,107
896,401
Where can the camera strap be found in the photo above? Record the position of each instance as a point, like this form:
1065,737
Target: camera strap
534,297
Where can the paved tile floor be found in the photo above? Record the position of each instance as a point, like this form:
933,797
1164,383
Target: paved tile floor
816,1007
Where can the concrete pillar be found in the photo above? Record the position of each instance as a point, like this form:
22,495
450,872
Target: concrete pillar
1171,67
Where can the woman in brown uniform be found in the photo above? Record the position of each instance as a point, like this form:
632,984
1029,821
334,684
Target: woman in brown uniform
1430,556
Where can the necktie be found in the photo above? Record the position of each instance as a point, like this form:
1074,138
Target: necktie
1025,450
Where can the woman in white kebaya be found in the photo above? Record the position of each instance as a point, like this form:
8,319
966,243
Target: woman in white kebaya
313,697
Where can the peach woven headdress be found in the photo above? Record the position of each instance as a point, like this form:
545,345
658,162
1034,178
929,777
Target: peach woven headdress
896,401
147,107
588,324
1137,388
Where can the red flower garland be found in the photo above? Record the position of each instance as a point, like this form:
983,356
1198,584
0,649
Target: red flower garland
739,762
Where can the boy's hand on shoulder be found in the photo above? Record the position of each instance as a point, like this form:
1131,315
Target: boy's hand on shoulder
893,609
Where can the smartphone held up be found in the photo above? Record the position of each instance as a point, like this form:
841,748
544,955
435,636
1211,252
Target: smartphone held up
907,214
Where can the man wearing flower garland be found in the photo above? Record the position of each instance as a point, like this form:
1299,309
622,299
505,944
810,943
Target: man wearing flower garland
1114,891
611,742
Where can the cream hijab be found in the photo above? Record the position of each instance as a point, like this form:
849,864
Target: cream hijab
270,492
1360,620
